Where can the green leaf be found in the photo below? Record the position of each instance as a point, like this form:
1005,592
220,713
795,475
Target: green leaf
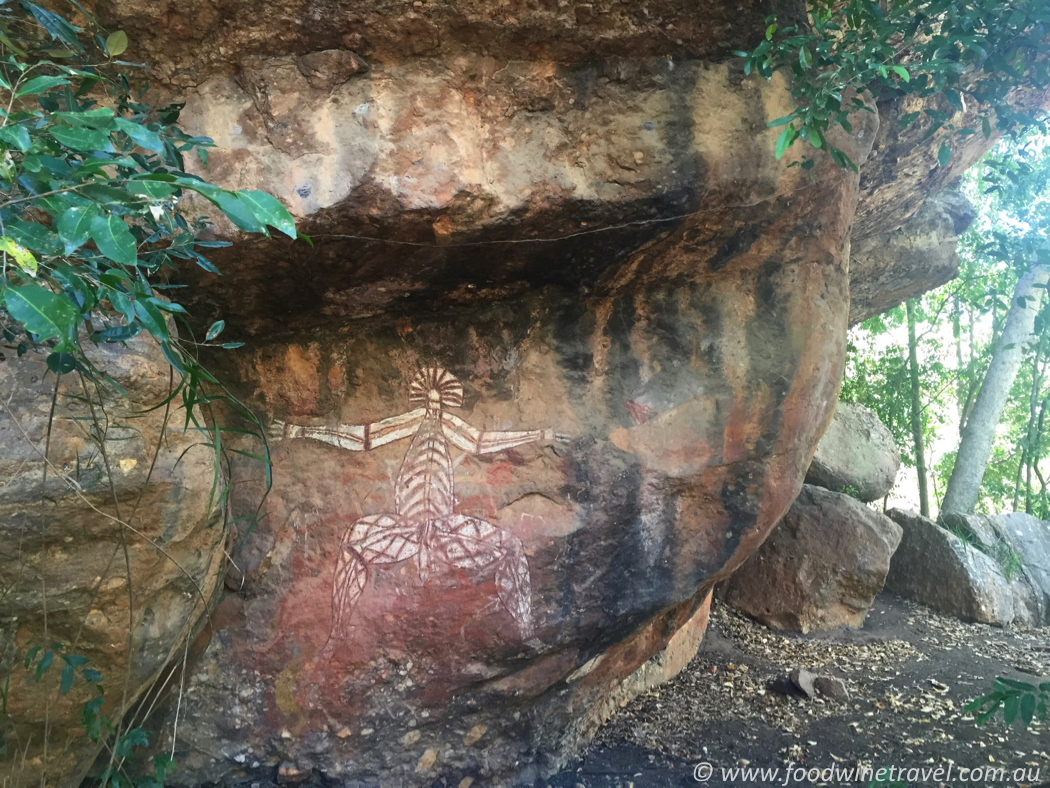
31,656
16,135
944,155
92,675
44,664
61,363
33,236
113,239
780,121
152,319
67,680
45,314
58,27
98,118
136,737
108,195
1027,708
214,330
907,120
770,31
173,357
140,135
74,228
269,210
155,190
784,140
40,85
117,43
237,211
23,257
804,58
169,306
82,139
1010,709
902,73
986,127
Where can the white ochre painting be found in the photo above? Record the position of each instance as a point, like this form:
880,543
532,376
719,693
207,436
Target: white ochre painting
424,525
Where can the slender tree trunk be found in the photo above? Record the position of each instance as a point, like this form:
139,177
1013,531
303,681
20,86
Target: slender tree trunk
976,445
960,387
1033,405
971,383
1024,467
916,411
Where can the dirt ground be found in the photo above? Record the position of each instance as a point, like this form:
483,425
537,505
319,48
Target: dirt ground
908,672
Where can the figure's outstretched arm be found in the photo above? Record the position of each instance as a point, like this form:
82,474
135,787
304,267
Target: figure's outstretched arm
355,437
475,441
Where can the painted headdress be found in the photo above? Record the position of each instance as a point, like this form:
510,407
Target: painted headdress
448,387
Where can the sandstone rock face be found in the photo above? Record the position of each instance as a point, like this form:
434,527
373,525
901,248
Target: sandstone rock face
118,573
936,568
1020,541
554,364
856,451
461,593
888,268
820,568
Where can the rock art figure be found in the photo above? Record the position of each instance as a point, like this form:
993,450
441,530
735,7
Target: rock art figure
424,524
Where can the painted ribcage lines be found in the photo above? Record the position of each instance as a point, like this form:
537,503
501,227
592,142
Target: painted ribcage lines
425,484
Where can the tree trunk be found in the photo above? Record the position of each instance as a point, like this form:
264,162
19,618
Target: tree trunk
916,411
976,445
960,386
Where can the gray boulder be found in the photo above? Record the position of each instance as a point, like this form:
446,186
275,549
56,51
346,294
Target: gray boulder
934,567
1019,541
856,451
820,568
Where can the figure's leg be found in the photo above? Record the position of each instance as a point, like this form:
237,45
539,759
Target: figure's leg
475,545
374,540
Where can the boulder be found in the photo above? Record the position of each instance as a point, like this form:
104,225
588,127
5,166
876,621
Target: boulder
1019,542
857,451
113,547
888,268
1029,538
820,568
936,568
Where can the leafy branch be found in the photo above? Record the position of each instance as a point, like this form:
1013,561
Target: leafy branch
969,54
1019,700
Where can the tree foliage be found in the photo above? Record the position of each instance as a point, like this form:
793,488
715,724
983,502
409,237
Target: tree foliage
960,325
96,211
93,214
966,53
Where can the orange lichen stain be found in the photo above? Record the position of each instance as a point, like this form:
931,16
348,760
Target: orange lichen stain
293,382
335,379
442,228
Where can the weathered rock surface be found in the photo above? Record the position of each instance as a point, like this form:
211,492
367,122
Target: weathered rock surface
1022,542
578,214
118,573
936,568
888,268
820,568
857,451
688,382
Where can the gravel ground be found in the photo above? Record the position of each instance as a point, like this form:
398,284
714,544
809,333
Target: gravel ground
908,673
